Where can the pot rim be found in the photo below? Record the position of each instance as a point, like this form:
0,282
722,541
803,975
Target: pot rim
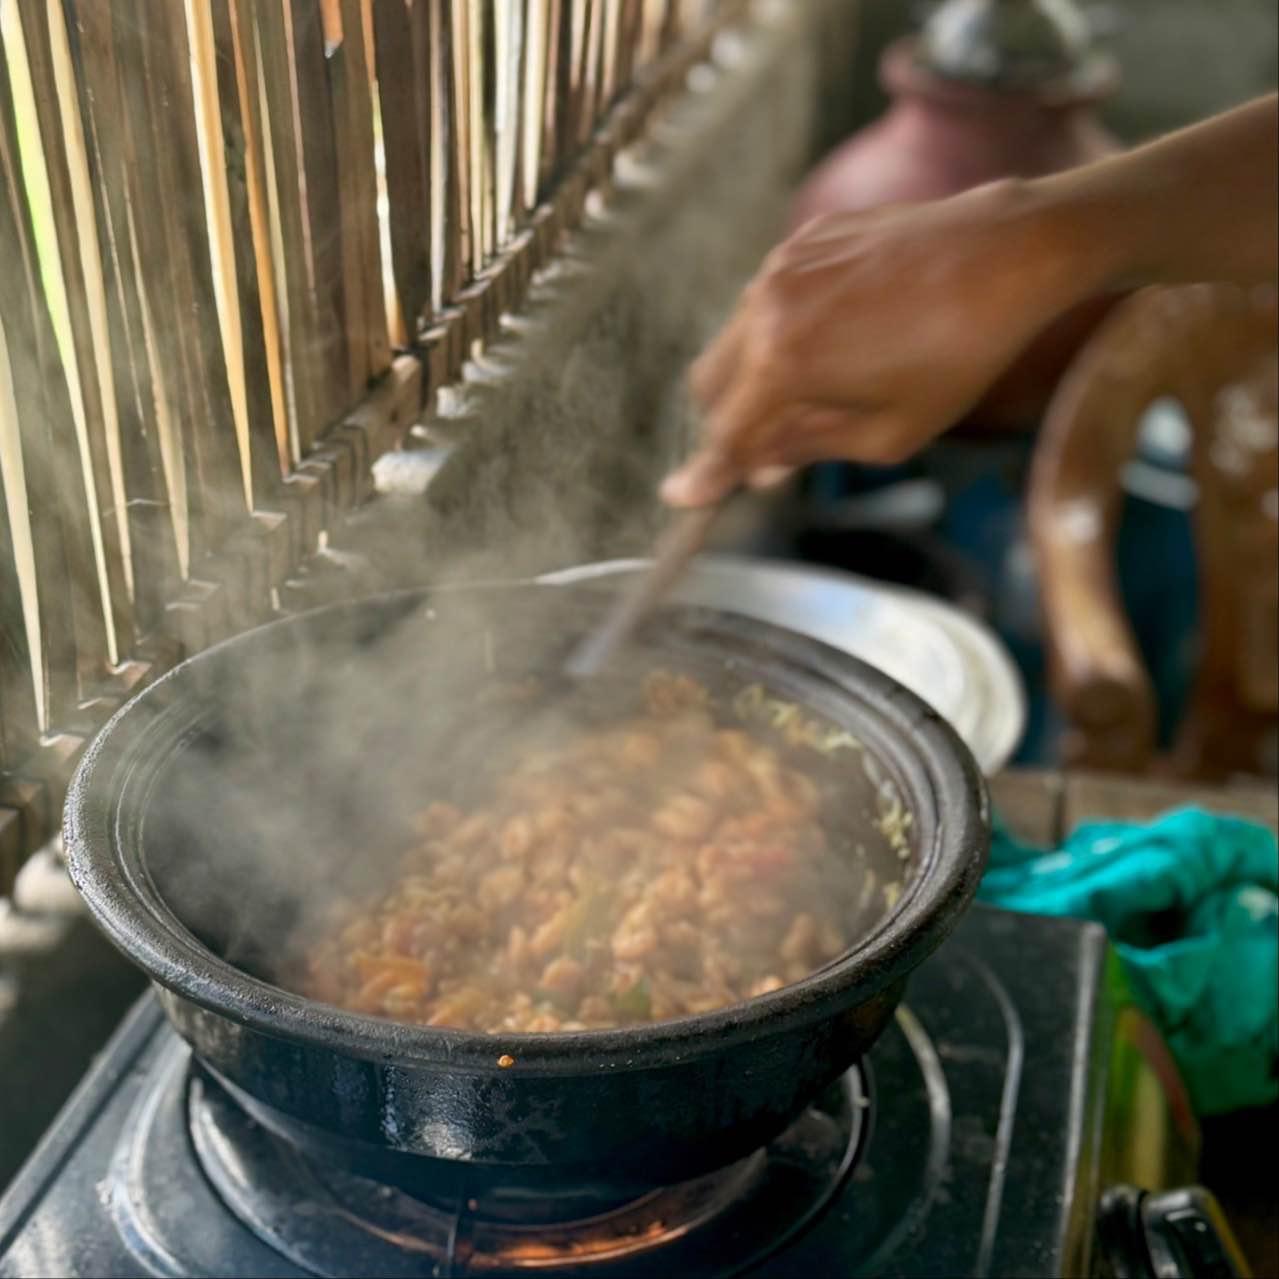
936,769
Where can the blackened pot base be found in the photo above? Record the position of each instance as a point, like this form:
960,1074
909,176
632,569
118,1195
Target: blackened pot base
330,1222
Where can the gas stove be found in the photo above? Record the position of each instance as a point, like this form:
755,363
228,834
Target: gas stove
986,1134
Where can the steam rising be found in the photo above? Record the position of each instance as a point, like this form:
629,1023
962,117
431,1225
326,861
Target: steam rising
556,441
319,744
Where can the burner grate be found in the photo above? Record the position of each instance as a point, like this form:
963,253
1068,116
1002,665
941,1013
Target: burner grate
331,1222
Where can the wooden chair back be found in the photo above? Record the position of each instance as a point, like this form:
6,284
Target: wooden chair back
1213,349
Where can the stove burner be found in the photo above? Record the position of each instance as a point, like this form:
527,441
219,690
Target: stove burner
323,1219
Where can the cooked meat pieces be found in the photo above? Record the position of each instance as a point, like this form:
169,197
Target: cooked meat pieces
656,868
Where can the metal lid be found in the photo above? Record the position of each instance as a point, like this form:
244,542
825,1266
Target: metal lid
938,652
1005,42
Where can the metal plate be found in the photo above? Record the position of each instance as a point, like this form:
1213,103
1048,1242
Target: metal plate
941,654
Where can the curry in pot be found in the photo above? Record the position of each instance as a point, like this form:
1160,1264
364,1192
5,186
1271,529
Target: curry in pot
634,872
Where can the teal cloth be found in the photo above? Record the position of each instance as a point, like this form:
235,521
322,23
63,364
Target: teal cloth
1191,902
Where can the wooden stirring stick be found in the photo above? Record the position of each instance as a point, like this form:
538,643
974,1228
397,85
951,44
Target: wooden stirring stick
678,544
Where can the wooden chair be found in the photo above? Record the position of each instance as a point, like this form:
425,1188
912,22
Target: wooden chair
1212,348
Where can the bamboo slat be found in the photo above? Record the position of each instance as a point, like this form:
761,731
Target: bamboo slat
72,297
508,65
592,71
401,32
253,342
90,371
479,83
60,589
554,92
351,92
449,236
462,166
156,525
177,274
308,367
336,279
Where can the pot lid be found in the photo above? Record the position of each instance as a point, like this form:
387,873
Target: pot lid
941,654
1006,42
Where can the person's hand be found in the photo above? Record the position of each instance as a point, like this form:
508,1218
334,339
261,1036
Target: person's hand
866,335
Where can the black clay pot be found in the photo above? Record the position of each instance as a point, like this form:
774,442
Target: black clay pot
268,775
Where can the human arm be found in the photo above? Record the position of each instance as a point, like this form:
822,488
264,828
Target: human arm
866,335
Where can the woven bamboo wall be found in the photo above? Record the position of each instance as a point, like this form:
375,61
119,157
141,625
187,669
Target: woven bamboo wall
241,246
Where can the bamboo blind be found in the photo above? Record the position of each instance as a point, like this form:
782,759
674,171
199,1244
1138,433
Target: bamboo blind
241,242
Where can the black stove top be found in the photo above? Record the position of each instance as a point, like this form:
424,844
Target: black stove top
968,1144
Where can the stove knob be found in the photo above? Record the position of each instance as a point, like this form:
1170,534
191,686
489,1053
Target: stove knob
1187,1235
1176,1234
1121,1243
